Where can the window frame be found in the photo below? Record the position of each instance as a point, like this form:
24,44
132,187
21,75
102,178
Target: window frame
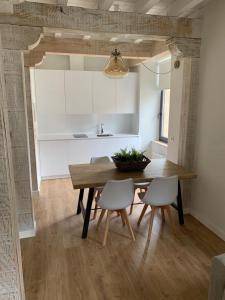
161,137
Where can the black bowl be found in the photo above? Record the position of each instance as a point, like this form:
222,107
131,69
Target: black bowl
127,166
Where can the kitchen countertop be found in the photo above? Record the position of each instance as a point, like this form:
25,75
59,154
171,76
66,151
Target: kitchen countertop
69,136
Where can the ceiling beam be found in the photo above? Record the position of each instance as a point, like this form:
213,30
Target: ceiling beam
94,48
52,2
88,20
105,4
181,8
145,5
6,7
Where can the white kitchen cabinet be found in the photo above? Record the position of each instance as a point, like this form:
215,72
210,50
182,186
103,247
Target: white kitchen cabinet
53,158
50,91
104,93
78,92
127,94
84,92
81,151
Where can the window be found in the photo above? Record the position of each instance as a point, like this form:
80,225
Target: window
164,115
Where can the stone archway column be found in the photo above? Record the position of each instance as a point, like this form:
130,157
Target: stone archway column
31,61
14,40
11,277
188,50
15,193
31,138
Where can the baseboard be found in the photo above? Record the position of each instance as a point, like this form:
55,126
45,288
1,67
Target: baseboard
220,233
28,233
186,211
55,177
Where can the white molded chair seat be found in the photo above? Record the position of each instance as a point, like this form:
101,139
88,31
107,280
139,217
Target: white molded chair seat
117,195
161,193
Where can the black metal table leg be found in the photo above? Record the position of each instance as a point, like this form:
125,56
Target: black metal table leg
81,196
180,205
87,213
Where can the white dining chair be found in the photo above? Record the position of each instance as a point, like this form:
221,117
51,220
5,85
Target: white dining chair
142,187
98,190
162,192
117,195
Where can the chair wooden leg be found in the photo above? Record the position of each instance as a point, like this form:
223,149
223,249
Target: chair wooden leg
124,212
163,214
122,218
101,217
154,209
95,211
167,208
142,214
106,227
131,208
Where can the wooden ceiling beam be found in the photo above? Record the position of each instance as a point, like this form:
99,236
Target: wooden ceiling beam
88,20
68,46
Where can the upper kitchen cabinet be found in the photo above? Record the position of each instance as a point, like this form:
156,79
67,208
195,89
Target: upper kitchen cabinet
127,94
50,91
104,93
78,91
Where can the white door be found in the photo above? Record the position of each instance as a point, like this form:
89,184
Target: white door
50,93
104,93
78,90
127,94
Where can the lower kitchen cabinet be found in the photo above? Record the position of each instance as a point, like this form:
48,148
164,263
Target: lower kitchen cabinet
55,156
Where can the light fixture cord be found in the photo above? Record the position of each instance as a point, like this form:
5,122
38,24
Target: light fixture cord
158,73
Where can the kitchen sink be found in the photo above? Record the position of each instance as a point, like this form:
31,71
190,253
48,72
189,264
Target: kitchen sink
79,135
104,134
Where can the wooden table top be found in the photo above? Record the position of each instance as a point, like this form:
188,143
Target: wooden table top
94,175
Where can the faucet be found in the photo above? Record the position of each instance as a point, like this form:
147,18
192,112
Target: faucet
101,128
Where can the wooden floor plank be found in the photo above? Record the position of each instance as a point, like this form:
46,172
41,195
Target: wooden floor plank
59,265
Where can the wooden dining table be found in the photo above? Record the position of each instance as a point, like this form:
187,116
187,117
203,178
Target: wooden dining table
91,176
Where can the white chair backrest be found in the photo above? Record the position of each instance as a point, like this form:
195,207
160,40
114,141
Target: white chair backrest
100,160
117,194
162,191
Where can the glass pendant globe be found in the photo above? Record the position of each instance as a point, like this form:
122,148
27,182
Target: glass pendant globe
116,67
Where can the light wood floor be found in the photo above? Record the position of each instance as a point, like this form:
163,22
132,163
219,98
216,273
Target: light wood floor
59,265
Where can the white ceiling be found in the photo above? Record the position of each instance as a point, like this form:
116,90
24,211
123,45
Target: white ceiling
178,8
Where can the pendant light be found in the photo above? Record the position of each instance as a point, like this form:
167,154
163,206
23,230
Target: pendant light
116,67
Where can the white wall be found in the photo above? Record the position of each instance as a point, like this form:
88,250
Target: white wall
55,62
68,124
163,80
95,63
73,62
176,85
76,62
149,106
208,197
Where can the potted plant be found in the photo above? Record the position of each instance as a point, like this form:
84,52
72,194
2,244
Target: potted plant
130,160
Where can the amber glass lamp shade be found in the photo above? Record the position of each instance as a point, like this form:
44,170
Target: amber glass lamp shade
116,67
